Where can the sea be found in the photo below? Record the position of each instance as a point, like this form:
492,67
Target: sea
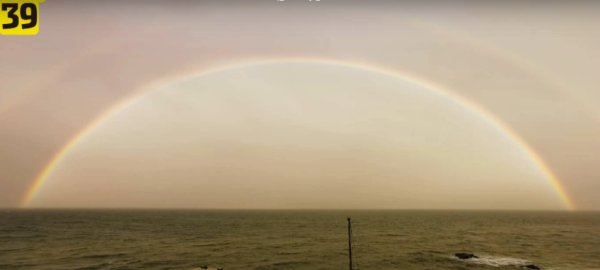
297,239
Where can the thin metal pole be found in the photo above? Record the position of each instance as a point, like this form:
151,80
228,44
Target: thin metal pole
350,243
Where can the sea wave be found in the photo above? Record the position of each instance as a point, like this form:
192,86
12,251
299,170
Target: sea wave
497,261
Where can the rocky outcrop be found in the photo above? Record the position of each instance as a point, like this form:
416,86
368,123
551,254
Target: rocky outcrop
465,256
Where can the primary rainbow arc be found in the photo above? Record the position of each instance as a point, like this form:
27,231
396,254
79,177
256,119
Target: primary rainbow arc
488,117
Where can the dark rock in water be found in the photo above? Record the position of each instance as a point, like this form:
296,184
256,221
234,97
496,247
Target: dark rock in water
204,266
464,256
532,266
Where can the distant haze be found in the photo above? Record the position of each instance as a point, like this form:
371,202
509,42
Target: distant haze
310,135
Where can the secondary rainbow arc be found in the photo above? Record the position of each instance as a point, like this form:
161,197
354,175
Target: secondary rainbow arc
481,112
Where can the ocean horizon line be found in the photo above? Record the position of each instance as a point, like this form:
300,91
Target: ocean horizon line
296,209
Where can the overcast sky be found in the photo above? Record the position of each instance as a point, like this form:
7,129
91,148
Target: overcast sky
303,134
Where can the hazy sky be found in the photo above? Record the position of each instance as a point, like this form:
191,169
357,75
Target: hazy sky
303,134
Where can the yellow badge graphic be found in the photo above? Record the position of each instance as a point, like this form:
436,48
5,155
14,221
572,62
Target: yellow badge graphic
19,17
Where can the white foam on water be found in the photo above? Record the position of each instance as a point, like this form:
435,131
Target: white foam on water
497,261
500,261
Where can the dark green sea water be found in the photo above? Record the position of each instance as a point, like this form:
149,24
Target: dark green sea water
178,239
